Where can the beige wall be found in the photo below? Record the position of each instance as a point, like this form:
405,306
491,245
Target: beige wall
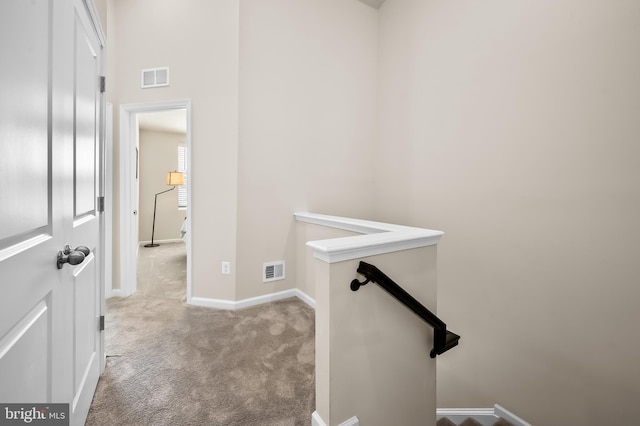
159,155
101,9
305,278
307,119
198,41
306,103
513,127
372,353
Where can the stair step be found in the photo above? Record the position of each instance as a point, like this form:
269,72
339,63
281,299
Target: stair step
444,421
470,422
502,422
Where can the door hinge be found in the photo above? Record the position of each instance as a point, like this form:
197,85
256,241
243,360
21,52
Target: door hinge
101,204
103,83
102,323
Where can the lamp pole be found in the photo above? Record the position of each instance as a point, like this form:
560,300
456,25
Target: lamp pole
153,228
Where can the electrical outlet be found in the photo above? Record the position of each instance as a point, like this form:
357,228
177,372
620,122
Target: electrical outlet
226,268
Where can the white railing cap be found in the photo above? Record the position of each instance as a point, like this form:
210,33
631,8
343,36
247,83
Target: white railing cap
377,238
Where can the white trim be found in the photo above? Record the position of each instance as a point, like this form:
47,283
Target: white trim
108,202
305,298
14,335
509,416
116,292
378,238
95,21
105,220
316,420
128,199
353,421
252,301
18,248
484,416
167,241
468,412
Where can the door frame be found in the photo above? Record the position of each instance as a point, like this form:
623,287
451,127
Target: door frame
105,172
129,194
107,219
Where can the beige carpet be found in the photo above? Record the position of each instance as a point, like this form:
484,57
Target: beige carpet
173,364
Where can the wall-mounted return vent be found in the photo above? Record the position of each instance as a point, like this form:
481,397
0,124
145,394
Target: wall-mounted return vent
155,77
273,271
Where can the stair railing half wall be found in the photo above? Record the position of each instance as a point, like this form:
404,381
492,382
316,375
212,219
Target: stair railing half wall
443,340
360,373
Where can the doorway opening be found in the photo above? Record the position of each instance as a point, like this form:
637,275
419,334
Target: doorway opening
155,120
162,175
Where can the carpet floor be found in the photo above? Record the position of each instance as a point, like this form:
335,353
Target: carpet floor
173,364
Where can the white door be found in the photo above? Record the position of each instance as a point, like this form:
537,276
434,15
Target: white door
84,219
50,156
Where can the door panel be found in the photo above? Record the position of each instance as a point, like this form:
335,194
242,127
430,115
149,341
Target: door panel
29,234
85,321
24,136
85,109
15,353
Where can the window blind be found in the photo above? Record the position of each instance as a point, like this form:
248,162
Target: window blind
182,167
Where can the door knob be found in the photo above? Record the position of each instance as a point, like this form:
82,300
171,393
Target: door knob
85,250
72,257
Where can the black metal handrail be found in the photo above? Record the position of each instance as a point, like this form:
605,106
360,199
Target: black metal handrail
443,340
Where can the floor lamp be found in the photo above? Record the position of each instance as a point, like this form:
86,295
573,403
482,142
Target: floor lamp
173,179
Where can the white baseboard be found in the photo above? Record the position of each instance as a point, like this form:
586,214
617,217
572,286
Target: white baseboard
484,416
171,240
114,292
239,304
305,298
316,420
253,301
509,416
353,421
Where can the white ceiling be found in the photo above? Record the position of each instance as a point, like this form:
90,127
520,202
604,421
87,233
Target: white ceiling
174,120
373,3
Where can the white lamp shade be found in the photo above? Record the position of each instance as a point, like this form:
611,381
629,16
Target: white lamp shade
175,178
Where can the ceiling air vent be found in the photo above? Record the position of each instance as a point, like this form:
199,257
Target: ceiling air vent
155,77
273,271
